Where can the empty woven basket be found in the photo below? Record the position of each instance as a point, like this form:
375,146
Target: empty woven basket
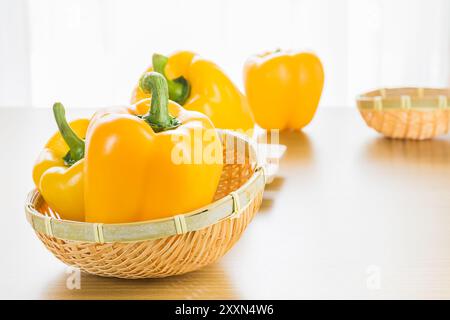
164,247
407,113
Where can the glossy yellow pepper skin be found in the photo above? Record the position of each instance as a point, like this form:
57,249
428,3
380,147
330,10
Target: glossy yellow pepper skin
200,85
130,171
61,184
283,88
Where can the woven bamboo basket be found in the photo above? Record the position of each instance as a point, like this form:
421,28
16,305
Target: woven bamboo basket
407,113
164,247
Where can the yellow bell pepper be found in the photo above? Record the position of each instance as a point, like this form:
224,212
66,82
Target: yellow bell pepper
200,85
283,88
58,171
133,170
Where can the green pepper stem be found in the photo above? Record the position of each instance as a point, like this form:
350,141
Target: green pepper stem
158,116
179,88
76,144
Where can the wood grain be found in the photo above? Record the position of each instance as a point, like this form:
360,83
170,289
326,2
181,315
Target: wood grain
351,215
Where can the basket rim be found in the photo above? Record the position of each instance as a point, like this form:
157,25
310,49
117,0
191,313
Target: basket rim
405,98
228,207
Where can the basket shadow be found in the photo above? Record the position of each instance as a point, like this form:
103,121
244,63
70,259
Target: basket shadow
435,152
266,205
210,282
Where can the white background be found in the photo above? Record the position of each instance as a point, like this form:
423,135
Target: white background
89,53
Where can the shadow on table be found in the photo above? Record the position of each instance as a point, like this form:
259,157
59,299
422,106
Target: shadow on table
299,156
300,149
210,282
266,204
276,184
434,152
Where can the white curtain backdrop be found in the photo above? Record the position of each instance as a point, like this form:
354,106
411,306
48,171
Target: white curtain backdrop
89,53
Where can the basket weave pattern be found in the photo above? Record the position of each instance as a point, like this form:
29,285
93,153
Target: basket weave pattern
407,113
408,124
168,256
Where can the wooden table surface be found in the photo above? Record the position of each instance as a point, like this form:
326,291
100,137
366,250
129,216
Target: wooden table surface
351,215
